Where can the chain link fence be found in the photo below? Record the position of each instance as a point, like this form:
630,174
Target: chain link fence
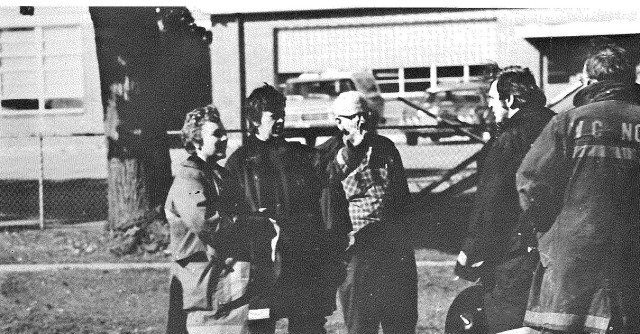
52,179
63,179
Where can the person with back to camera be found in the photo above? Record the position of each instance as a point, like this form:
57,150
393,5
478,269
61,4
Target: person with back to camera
210,264
381,280
584,172
497,248
277,179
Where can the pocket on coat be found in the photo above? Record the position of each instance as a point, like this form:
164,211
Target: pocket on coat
196,280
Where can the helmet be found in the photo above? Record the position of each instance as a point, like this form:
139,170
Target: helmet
466,313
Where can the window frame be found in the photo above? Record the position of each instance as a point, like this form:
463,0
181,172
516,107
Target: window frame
433,80
40,54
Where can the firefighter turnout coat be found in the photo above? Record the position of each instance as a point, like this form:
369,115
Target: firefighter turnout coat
280,178
584,171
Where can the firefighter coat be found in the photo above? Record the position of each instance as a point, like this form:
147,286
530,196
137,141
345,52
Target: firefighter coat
497,231
279,179
584,169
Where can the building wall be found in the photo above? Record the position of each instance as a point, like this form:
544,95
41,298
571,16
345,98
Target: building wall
511,48
64,155
61,121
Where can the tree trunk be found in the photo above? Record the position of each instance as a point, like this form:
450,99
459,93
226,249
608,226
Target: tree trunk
127,194
149,80
139,164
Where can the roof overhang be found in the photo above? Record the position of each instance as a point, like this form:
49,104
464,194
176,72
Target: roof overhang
284,6
575,29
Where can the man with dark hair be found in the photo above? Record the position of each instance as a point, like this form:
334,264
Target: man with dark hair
583,172
381,281
608,63
277,180
497,248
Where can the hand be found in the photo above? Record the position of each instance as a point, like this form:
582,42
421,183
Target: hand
353,155
227,267
352,239
469,273
354,136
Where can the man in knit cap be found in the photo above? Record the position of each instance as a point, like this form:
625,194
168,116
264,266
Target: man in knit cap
381,280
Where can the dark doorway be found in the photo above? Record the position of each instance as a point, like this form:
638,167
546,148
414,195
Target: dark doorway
567,54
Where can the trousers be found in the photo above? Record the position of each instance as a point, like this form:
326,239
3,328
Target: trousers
380,289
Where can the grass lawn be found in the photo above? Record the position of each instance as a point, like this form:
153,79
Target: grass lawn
135,301
64,245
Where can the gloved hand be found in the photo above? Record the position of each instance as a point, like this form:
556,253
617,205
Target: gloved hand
465,271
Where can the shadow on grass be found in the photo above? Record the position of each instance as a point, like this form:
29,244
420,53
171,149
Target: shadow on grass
439,222
68,201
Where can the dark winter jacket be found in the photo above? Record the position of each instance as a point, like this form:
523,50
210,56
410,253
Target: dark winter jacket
334,204
335,210
495,223
585,170
280,176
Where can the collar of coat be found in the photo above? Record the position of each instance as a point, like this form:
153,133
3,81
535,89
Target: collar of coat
195,167
254,141
606,91
522,116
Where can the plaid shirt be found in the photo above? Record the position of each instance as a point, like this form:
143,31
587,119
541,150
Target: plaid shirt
365,188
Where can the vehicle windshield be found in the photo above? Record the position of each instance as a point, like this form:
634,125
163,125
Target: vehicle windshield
325,87
455,97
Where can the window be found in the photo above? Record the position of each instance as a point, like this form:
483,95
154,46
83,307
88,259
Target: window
477,72
320,87
416,80
559,63
41,69
388,80
402,80
450,74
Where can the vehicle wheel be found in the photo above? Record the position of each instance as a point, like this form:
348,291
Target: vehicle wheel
434,139
412,138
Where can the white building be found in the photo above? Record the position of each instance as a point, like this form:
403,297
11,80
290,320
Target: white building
408,49
49,85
